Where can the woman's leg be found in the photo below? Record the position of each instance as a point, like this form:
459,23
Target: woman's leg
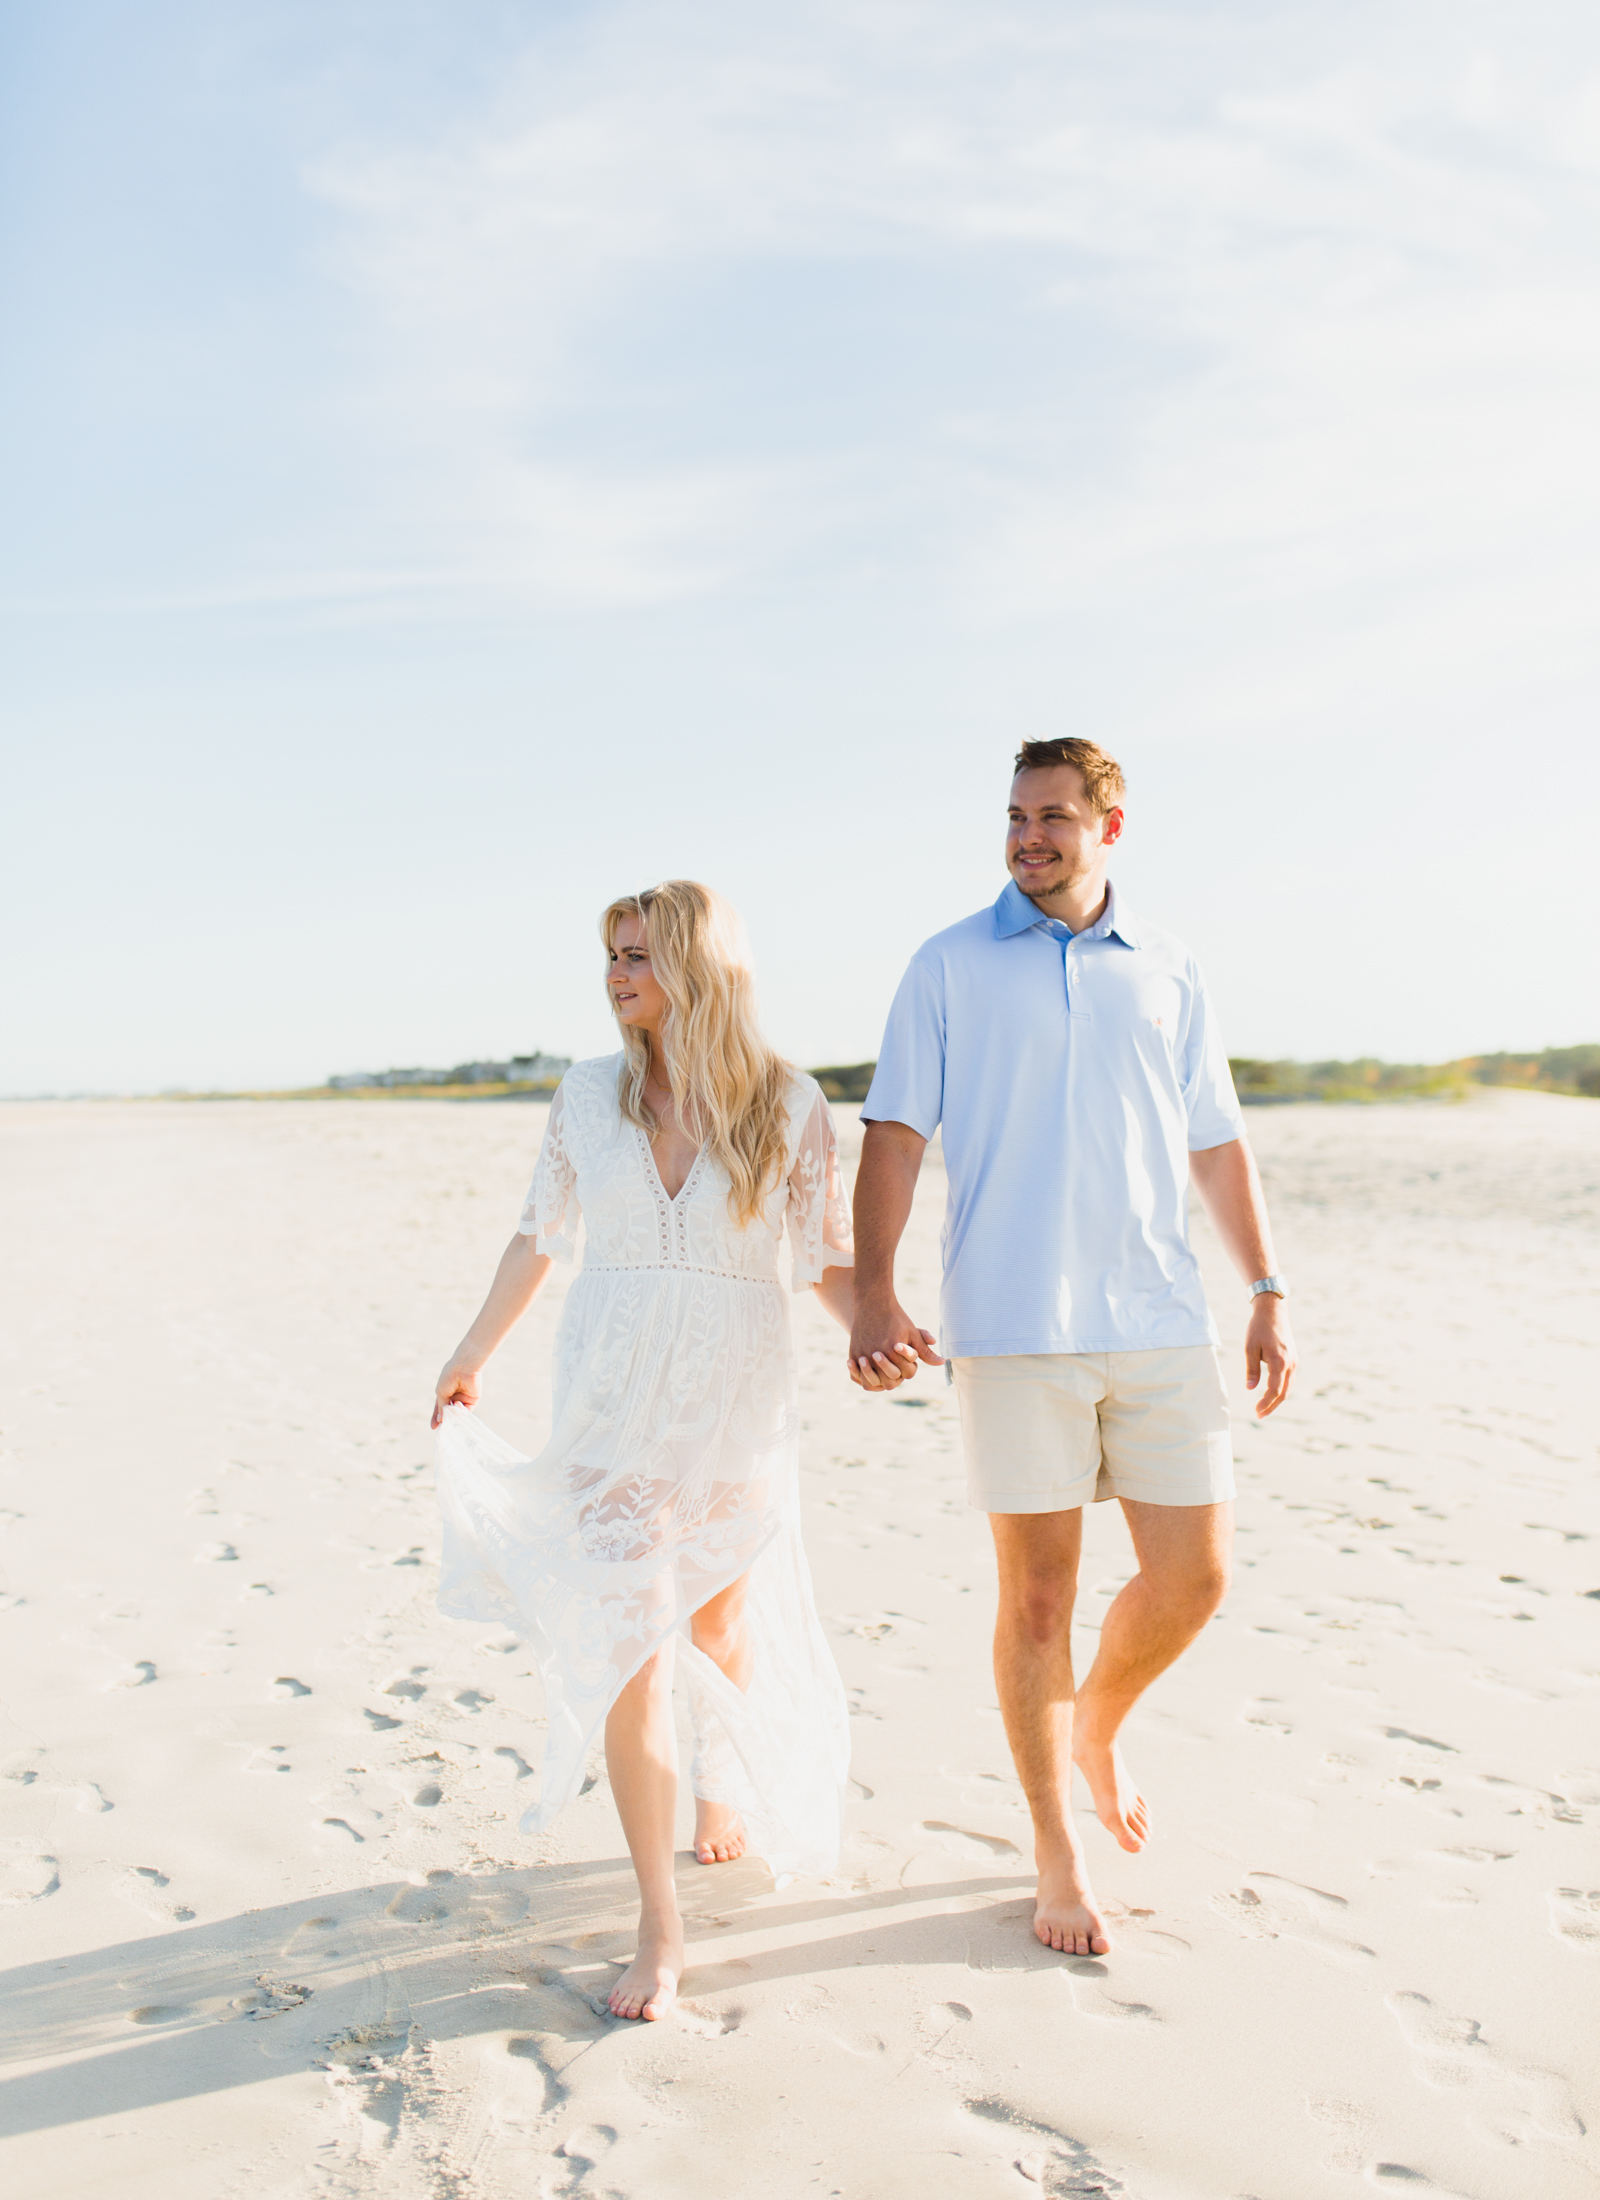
642,1761
719,1630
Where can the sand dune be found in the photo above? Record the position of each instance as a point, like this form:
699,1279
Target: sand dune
270,1928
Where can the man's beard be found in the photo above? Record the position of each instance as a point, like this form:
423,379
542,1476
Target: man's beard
1056,882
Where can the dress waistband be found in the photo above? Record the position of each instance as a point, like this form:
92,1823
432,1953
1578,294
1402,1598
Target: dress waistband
674,1268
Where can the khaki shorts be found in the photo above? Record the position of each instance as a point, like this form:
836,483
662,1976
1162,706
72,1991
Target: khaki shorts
1049,1431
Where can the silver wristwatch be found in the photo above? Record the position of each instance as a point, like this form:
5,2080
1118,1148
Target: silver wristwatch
1277,1285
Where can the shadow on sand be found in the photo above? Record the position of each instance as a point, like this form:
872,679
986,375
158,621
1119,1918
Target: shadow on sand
355,1976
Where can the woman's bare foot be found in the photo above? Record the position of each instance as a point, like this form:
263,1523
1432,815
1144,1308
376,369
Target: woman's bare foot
649,1986
1118,1804
718,1832
1066,1916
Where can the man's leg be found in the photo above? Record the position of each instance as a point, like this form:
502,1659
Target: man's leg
1183,1576
1038,1561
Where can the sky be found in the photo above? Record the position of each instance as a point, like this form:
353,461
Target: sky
465,459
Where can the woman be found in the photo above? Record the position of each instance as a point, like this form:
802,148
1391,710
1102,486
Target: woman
668,1491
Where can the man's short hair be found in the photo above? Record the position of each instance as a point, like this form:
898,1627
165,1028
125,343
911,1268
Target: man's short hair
1101,774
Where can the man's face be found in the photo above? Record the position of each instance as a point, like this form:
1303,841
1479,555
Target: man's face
1056,838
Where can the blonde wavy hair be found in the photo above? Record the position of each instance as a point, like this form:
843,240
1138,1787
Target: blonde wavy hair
727,1084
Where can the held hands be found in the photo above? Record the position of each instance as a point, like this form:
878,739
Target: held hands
885,1346
1269,1348
457,1386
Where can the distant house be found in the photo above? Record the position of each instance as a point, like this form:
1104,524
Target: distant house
537,1069
522,1069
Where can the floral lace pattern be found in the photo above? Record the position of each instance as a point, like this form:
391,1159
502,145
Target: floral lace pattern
672,1466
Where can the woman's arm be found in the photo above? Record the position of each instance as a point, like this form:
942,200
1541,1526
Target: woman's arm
837,1291
516,1285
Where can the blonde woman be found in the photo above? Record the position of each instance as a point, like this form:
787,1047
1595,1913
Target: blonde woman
662,1516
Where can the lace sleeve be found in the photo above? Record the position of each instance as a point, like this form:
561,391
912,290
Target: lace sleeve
550,1211
819,1216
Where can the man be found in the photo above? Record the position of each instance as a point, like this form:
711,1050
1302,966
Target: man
1068,1050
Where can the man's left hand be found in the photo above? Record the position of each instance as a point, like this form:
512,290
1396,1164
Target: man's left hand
1269,1347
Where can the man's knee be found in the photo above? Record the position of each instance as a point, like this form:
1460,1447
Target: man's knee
1196,1588
1039,1605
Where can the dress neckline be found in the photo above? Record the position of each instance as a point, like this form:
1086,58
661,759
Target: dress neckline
671,1198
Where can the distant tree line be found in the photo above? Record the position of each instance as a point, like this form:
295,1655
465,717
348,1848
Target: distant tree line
1557,1069
1260,1084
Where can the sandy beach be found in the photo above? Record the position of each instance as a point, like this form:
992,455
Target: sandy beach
270,1928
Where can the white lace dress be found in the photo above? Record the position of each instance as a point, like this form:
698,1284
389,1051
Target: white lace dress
672,1467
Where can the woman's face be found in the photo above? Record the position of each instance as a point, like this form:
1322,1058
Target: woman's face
635,996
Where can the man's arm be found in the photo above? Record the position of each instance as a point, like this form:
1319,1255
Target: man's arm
884,1341
1226,1179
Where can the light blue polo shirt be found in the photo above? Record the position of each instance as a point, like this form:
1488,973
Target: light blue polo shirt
1073,1075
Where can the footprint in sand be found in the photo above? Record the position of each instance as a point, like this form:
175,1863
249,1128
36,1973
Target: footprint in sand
588,2143
1265,1713
988,1791
142,1884
216,1554
139,1675
287,1686
28,1878
1091,2000
1137,1936
1348,2126
961,1841
510,1764
1508,2103
536,2089
379,1721
30,1765
1575,1916
411,1690
1282,1909
270,1998
1061,2164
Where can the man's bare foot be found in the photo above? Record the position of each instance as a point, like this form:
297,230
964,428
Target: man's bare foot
718,1832
649,1986
1066,1916
1118,1804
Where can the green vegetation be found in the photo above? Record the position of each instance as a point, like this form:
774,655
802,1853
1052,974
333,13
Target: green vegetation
1263,1083
847,1083
1557,1069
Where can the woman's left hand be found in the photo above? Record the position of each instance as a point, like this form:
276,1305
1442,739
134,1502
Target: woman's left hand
457,1386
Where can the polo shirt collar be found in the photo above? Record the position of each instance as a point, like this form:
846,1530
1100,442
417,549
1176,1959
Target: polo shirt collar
1014,913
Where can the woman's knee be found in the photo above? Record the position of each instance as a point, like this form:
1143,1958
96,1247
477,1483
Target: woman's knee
719,1635
653,1678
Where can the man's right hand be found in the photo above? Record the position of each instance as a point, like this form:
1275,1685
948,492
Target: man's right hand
885,1346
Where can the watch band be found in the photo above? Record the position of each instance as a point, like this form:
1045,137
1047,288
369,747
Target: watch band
1277,1285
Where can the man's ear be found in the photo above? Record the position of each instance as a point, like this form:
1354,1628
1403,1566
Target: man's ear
1111,828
